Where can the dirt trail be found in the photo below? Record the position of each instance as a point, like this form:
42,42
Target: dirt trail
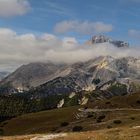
107,110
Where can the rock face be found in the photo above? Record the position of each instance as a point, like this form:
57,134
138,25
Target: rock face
61,103
120,44
100,39
103,39
31,75
102,73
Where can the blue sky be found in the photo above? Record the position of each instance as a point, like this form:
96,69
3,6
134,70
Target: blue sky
123,15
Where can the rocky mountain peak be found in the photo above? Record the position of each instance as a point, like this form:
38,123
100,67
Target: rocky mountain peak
103,39
99,39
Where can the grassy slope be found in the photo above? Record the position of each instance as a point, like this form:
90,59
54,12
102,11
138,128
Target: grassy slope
126,101
120,133
49,121
45,121
111,134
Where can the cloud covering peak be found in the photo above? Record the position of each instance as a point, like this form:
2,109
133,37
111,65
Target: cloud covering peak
17,49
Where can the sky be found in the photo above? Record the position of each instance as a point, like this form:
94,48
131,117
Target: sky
42,28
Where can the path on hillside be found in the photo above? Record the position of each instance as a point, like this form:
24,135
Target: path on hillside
107,110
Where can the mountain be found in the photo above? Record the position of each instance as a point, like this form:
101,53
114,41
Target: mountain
99,78
104,76
3,74
67,85
100,73
103,39
31,75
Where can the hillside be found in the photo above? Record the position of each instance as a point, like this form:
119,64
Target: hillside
37,100
121,113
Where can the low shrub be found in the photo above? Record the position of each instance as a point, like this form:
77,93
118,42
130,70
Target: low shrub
100,118
98,121
117,121
77,128
1,131
138,101
132,118
109,126
54,129
90,116
64,124
108,103
85,107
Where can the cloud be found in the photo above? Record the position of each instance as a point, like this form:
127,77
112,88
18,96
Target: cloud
10,8
134,33
17,49
84,27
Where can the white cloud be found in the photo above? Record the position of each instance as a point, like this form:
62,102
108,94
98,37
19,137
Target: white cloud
85,27
17,49
71,40
134,33
10,8
48,37
6,31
